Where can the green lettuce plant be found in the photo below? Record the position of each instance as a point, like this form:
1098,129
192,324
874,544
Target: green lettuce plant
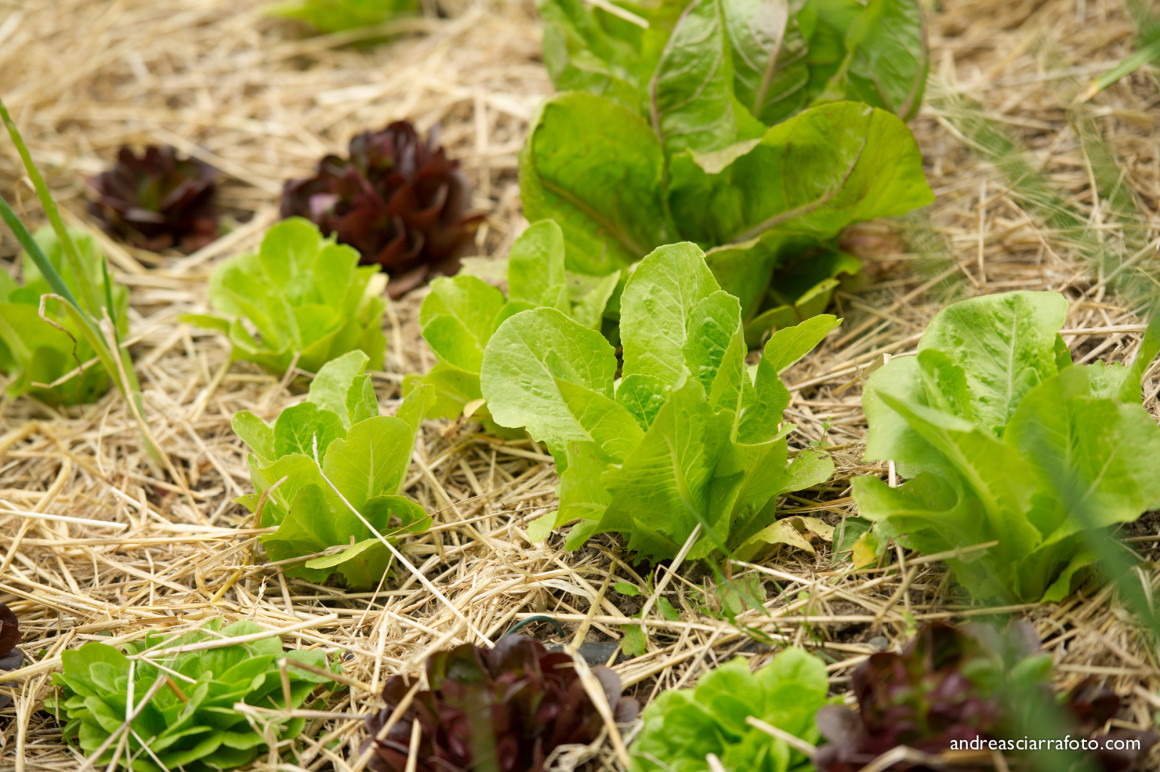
683,727
758,130
167,704
461,314
300,299
329,472
1003,439
330,16
688,436
38,354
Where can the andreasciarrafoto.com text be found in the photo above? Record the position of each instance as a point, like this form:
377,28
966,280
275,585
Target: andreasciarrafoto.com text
1067,743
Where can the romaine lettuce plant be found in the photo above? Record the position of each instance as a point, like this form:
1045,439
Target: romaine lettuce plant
682,727
1005,440
37,354
958,684
10,656
722,124
157,200
328,475
185,704
504,709
461,313
688,436
397,199
300,299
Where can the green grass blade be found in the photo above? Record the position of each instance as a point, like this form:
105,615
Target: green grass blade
90,297
34,251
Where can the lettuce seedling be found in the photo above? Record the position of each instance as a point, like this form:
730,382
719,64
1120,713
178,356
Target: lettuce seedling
330,16
300,300
511,706
10,656
461,314
397,199
960,684
989,421
39,354
688,437
328,475
723,123
188,708
682,727
157,200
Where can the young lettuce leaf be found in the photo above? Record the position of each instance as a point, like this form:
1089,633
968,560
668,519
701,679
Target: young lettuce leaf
191,722
327,465
38,354
300,296
461,314
983,421
689,435
726,123
682,727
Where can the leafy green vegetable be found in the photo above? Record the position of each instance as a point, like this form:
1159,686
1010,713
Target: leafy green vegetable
330,470
689,435
185,701
329,16
725,123
984,420
300,296
684,726
38,354
461,314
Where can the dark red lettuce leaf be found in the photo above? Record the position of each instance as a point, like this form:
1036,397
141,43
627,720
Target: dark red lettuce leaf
516,702
944,686
10,656
157,200
396,199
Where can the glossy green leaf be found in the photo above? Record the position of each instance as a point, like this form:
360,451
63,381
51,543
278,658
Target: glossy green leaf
1006,441
596,167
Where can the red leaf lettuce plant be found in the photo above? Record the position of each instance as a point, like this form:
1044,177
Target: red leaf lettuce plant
504,709
399,200
10,656
958,684
157,200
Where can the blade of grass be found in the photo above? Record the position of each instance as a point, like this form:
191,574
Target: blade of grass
91,301
113,357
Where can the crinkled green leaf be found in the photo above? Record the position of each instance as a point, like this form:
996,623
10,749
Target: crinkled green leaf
682,727
305,297
689,438
197,729
316,469
34,353
596,167
987,420
461,314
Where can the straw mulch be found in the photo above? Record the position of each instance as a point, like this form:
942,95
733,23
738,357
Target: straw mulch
95,545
